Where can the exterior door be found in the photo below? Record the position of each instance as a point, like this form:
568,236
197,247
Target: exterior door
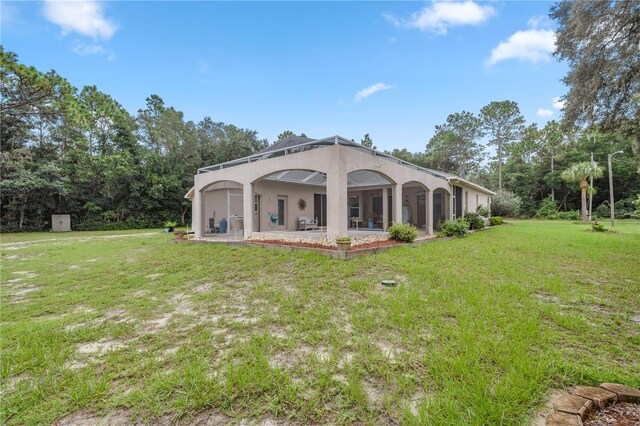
320,208
282,211
256,212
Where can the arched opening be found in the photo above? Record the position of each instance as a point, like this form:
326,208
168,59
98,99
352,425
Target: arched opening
415,209
441,207
222,208
369,200
290,200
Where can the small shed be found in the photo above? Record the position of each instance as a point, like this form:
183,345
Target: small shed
60,223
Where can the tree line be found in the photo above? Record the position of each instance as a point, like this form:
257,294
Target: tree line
64,150
80,152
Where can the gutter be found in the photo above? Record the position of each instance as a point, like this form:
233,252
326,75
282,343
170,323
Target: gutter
457,180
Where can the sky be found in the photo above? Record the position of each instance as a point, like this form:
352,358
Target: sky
394,70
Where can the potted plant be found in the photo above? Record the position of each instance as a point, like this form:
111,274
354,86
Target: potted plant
344,243
169,226
370,222
179,235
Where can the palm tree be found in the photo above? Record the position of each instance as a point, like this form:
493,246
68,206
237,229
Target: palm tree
580,172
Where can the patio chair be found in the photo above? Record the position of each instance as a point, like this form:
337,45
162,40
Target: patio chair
212,228
305,223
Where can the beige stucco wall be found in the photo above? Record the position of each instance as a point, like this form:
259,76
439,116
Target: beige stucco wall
336,162
269,192
472,198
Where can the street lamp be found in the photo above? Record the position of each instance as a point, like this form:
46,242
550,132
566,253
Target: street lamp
611,187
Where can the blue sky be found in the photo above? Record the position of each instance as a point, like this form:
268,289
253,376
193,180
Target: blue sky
390,69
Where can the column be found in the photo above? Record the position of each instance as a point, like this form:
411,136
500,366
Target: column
197,208
429,209
397,203
337,208
247,209
385,208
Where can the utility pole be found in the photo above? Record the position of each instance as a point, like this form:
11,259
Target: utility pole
591,189
611,204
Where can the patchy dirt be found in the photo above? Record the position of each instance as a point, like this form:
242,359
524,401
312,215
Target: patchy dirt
203,288
121,417
621,414
113,316
375,395
388,349
99,347
298,355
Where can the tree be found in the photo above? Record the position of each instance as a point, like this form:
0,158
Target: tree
366,141
552,141
504,124
285,134
599,40
457,140
579,173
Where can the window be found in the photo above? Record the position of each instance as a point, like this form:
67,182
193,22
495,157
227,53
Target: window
354,206
477,205
466,201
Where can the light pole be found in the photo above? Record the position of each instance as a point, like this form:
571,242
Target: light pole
611,206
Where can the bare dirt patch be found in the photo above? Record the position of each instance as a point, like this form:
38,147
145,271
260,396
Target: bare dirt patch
203,288
388,349
375,395
100,347
113,316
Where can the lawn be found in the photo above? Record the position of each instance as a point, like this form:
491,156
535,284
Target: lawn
478,332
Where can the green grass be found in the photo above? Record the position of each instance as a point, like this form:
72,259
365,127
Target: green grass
479,330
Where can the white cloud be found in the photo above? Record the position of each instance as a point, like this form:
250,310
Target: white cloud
543,112
558,103
540,21
368,91
529,45
440,15
81,16
87,49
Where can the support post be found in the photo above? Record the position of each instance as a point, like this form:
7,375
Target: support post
590,194
385,208
611,203
197,209
397,203
337,201
247,209
429,211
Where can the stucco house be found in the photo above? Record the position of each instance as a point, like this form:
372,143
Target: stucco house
332,185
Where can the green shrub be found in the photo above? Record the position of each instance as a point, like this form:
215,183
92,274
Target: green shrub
602,211
505,203
475,221
496,220
547,208
170,224
482,211
598,227
404,232
570,215
455,228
